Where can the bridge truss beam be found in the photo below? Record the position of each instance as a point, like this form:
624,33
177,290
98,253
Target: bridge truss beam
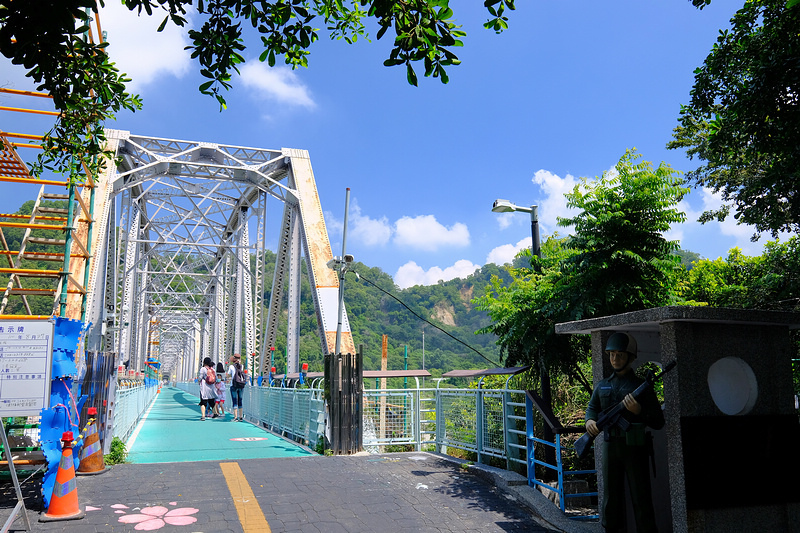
185,260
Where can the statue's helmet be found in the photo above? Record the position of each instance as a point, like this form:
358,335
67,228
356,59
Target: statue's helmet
621,342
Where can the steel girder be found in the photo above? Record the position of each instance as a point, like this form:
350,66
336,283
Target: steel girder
184,253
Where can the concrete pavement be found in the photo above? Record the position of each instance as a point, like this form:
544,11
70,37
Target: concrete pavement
407,492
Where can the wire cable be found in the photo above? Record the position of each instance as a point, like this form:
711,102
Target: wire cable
360,277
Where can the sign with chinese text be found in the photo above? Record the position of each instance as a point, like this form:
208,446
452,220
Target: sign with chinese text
26,353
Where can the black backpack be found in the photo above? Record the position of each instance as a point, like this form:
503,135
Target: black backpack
239,380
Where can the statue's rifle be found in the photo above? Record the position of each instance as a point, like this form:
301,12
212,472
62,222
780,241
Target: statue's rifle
612,417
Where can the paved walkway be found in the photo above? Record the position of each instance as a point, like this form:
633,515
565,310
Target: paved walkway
173,432
256,485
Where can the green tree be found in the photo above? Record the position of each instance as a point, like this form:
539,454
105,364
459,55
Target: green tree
770,281
743,120
51,39
618,260
623,262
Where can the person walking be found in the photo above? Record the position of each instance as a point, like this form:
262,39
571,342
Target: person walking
219,408
208,392
238,381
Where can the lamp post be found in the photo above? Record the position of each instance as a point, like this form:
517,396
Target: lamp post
504,206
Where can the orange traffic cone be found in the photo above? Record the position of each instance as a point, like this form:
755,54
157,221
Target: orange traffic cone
92,452
64,502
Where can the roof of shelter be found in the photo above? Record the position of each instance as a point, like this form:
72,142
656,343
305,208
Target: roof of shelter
650,319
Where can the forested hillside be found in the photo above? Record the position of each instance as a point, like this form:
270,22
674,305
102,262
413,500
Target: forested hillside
372,313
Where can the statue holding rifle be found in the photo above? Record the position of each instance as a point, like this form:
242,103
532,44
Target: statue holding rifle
622,406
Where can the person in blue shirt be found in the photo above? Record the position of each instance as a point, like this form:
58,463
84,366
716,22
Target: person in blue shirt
625,453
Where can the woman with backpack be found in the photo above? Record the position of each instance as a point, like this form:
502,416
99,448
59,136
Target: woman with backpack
208,390
237,386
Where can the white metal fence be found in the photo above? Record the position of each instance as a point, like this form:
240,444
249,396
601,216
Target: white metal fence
131,404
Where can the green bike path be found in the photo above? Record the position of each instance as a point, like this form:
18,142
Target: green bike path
172,432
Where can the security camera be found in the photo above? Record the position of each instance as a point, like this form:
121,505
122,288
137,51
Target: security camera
348,258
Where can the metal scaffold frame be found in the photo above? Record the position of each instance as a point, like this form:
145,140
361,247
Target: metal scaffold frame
71,290
185,260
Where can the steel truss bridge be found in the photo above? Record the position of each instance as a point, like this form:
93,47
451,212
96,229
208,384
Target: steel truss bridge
165,253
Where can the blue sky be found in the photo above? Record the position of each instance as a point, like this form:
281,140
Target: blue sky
559,96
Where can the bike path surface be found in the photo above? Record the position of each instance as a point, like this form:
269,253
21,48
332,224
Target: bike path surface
173,432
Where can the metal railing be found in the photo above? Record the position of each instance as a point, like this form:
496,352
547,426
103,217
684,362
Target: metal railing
131,404
298,414
487,422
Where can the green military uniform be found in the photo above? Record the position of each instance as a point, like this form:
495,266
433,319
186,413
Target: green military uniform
625,454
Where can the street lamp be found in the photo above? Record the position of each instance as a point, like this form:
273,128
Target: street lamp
504,206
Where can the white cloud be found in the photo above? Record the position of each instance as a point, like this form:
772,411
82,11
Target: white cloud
740,232
424,232
554,204
507,252
280,84
504,220
412,274
368,231
140,51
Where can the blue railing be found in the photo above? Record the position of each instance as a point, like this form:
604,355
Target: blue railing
562,474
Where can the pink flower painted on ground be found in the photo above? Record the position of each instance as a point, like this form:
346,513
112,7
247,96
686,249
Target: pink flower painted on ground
152,518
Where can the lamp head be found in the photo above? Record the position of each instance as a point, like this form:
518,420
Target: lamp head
503,206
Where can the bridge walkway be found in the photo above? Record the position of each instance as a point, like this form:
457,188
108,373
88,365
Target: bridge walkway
172,432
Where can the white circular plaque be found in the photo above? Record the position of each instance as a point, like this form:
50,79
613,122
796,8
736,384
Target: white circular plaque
733,386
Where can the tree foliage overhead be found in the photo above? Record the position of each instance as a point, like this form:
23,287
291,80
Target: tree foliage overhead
52,39
743,121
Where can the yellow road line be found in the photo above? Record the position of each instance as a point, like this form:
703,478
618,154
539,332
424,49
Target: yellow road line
250,515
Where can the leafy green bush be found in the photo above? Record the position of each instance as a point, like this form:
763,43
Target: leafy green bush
118,453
